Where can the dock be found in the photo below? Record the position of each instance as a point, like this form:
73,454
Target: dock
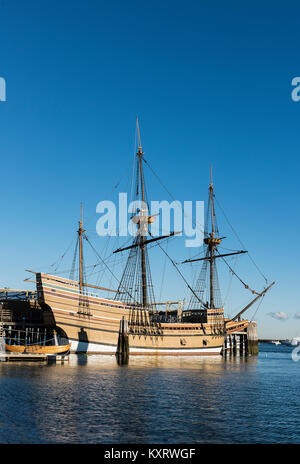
242,342
21,357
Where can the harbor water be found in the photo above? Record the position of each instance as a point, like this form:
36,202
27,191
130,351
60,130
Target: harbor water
91,399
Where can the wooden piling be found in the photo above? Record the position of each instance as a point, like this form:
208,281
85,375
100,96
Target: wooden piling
123,342
224,349
2,342
252,338
246,344
241,344
234,349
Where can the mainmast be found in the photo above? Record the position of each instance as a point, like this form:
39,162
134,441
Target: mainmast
212,241
80,232
136,278
143,223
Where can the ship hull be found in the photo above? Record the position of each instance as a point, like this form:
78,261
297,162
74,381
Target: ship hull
92,325
100,336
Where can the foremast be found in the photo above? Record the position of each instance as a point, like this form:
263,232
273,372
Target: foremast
81,234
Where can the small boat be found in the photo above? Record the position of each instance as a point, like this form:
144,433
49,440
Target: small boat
276,342
293,342
48,340
38,349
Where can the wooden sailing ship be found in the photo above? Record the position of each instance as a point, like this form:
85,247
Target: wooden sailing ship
92,323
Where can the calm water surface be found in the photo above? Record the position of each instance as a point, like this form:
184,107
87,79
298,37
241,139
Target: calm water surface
91,399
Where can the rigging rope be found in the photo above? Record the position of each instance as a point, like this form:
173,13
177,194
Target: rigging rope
235,233
171,196
163,276
233,272
257,308
230,281
133,165
95,251
74,261
59,260
186,282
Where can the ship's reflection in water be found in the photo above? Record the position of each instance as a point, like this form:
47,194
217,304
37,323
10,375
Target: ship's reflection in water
167,362
91,399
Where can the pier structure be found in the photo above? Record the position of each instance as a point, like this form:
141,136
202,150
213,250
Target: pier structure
27,329
21,357
242,342
2,341
22,320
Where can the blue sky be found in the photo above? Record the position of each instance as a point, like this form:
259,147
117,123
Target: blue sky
211,83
